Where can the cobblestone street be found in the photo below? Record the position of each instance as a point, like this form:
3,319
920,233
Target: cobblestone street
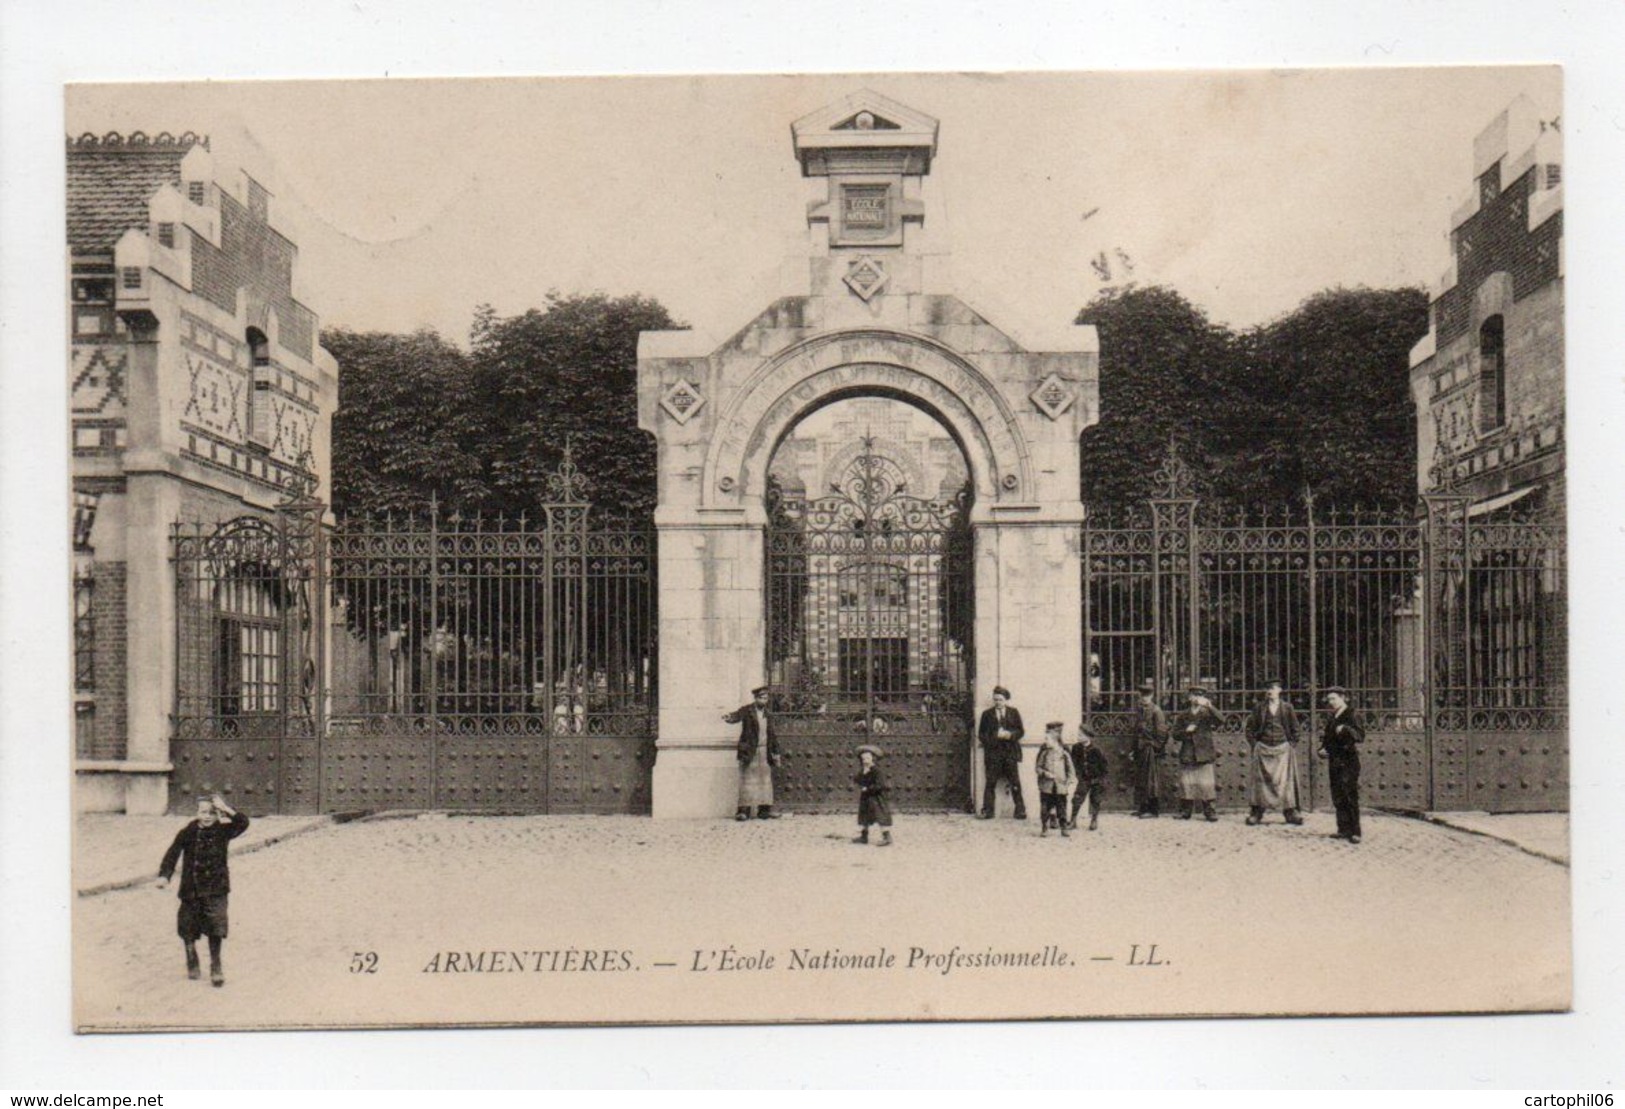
1274,919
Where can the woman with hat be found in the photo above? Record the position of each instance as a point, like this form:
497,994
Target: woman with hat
1196,755
872,805
1272,772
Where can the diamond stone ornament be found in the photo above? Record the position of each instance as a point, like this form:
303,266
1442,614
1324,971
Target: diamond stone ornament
866,276
681,401
1054,396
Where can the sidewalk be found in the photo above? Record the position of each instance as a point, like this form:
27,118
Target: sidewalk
1544,835
114,851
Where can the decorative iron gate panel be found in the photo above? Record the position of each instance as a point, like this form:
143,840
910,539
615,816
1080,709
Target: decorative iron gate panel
1449,632
869,624
466,663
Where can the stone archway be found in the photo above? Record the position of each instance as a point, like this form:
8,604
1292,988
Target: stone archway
867,311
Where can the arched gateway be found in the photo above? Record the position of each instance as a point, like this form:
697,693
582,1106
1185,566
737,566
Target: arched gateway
869,311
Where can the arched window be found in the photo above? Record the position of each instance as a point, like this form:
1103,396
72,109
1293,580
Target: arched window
248,678
1492,375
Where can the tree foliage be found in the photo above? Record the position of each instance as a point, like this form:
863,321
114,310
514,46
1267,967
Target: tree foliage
481,431
1319,398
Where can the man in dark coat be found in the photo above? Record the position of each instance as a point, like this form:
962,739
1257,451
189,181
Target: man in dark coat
758,753
201,849
1340,747
1000,732
1090,762
1150,744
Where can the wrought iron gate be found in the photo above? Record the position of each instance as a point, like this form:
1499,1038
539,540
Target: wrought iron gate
869,618
1449,631
463,663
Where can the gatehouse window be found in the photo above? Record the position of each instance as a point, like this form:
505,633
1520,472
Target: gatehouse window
1492,401
259,412
250,647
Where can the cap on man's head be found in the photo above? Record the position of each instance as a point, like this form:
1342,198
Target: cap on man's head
758,691
872,749
1273,683
1055,726
1199,691
1000,691
1337,689
1085,730
1148,686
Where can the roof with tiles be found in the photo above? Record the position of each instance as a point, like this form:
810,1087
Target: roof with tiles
110,179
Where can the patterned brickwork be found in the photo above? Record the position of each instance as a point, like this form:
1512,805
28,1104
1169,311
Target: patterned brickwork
252,255
1497,238
105,736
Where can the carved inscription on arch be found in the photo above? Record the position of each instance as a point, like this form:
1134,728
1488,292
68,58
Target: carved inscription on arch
901,365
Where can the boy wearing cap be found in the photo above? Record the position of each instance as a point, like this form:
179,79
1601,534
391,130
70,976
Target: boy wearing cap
1196,756
1089,761
1340,747
1150,742
201,848
1056,778
1000,731
758,753
873,807
1272,772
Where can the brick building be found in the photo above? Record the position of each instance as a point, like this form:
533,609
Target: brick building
1488,376
198,392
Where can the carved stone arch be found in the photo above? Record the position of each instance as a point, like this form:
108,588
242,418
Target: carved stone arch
869,362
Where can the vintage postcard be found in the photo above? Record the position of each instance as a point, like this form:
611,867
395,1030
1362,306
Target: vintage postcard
818,548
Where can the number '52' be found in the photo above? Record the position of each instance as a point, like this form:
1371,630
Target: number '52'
364,962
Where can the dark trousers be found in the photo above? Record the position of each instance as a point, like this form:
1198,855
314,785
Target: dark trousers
1145,780
1344,771
1089,791
1052,808
1002,759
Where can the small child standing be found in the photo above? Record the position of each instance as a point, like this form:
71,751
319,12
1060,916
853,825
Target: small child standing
1056,778
872,805
201,849
1090,763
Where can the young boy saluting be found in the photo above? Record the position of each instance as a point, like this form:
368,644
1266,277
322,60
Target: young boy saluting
201,849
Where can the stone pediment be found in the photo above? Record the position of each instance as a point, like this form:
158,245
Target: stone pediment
865,120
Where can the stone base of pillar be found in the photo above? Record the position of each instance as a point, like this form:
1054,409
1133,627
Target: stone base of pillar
139,789
696,783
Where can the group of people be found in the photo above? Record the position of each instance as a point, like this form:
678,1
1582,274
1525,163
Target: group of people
1272,775
1072,776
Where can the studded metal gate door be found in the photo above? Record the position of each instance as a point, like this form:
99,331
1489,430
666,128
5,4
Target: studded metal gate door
869,624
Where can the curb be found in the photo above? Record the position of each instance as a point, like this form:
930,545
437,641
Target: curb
1446,822
325,821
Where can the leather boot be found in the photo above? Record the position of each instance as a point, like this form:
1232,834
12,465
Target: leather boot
192,970
1184,810
217,976
1094,821
1292,817
1207,811
765,812
1255,816
885,837
742,814
862,836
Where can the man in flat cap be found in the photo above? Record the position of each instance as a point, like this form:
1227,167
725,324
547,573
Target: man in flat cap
758,753
1272,771
1197,756
1340,747
1000,731
1150,744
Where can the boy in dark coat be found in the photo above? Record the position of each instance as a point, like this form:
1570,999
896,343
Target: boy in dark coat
872,805
1091,764
201,849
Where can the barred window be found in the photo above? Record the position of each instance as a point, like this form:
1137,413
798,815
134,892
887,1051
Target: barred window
1492,375
166,235
1554,175
131,277
195,191
250,656
84,632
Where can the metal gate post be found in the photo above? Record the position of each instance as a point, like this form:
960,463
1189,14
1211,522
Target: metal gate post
432,679
1430,658
1314,637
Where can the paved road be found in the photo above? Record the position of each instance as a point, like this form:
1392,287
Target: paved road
1272,919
